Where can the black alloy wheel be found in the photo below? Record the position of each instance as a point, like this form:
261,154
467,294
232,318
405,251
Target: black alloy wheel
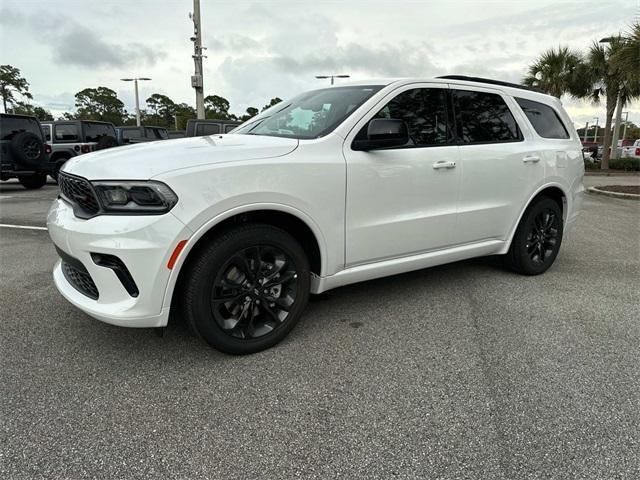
254,292
537,240
246,289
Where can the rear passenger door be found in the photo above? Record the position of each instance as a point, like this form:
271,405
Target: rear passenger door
501,163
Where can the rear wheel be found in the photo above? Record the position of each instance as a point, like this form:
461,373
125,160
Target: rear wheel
537,240
33,182
247,289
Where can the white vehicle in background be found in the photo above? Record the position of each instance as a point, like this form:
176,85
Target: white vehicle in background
336,186
632,150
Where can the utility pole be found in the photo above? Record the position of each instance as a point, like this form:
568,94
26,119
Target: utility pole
197,78
584,137
332,77
595,135
135,83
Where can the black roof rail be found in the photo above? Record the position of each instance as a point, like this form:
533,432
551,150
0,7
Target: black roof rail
490,82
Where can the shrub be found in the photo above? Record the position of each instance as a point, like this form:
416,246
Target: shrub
625,163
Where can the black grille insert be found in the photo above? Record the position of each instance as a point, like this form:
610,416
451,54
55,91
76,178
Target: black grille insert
80,280
119,268
79,192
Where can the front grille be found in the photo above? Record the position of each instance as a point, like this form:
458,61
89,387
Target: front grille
80,280
79,192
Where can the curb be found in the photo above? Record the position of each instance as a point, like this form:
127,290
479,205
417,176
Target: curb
609,173
629,196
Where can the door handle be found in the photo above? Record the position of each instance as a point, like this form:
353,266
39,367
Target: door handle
444,164
531,159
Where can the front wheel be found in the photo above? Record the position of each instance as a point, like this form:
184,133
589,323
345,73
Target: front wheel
247,289
537,240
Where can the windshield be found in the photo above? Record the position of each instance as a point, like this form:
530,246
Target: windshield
311,114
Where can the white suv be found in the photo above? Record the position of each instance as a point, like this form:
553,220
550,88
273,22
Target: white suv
335,186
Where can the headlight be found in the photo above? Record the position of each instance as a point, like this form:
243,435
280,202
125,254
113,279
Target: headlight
144,198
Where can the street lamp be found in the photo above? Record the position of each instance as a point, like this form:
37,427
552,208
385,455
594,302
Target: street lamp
135,82
332,77
595,135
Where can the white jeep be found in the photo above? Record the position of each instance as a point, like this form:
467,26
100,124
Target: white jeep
337,185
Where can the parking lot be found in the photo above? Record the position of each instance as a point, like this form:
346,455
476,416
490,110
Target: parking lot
460,371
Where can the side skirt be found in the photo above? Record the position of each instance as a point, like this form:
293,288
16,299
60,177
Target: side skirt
395,266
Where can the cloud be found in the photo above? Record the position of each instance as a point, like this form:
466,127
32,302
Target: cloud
73,44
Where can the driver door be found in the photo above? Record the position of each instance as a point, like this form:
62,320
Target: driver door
402,200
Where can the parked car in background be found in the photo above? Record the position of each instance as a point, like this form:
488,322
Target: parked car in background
70,138
200,128
176,133
23,152
632,150
339,185
591,151
127,135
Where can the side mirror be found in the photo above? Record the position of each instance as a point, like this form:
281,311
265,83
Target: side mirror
383,133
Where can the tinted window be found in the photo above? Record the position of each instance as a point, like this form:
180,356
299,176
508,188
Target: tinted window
425,112
10,126
207,129
66,132
156,133
46,130
228,128
484,118
131,133
544,119
93,132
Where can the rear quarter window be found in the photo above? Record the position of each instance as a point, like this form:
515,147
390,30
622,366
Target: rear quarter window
544,119
11,126
93,132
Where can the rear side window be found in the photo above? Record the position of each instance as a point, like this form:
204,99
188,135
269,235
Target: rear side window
484,118
46,130
11,126
66,132
207,129
545,120
424,110
130,133
93,132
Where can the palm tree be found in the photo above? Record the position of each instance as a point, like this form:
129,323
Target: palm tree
627,58
557,71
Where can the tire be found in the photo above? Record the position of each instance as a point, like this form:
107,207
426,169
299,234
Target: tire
538,237
56,168
106,141
27,149
34,181
225,298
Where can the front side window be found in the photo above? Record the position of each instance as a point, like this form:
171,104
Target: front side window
484,118
95,131
66,132
310,115
424,110
544,119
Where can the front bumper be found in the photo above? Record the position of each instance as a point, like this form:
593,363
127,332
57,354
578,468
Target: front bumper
143,243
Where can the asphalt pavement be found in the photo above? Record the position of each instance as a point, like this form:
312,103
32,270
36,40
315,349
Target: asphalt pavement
464,371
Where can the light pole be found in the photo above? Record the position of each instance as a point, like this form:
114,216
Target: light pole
595,134
135,82
332,77
626,120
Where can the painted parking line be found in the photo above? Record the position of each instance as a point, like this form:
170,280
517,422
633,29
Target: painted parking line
23,227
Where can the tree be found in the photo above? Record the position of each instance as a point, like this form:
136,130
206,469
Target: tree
627,59
163,109
23,108
216,107
557,72
11,82
184,112
100,103
249,113
272,102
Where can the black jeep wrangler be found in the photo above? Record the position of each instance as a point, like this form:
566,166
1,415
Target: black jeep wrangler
23,153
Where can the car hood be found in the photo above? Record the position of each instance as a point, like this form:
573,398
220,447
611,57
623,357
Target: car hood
146,160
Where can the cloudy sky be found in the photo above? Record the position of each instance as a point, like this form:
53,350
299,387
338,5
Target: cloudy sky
261,49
